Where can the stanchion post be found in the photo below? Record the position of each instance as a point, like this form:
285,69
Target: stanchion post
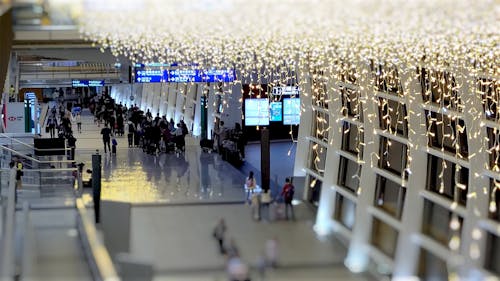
96,184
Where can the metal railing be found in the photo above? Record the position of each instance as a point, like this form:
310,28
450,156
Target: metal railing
14,143
43,180
100,262
30,160
7,265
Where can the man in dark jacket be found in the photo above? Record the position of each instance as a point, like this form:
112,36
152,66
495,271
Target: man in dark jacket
106,138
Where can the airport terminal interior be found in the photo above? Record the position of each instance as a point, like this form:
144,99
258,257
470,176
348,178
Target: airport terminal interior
302,140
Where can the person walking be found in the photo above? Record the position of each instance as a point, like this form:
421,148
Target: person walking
52,124
287,193
271,249
72,145
106,138
78,119
219,233
253,195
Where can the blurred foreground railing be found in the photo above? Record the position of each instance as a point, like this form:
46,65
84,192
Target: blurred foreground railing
100,263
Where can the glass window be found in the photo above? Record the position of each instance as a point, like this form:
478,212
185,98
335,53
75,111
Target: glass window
384,237
319,91
386,79
492,260
440,224
440,87
393,117
349,172
448,133
351,105
321,125
490,91
389,196
447,179
494,202
345,211
431,267
314,193
352,138
346,72
493,148
393,156
317,158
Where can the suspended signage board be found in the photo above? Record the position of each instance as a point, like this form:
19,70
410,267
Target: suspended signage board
184,75
286,91
87,83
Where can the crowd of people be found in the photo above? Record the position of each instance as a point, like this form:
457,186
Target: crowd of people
154,135
60,118
261,199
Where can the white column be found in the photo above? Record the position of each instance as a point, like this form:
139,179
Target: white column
211,110
179,102
163,99
306,119
324,222
407,252
232,108
172,98
478,201
358,254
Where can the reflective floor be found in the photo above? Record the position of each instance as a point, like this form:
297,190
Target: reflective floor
177,200
134,176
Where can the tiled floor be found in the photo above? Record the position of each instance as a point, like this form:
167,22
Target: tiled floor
177,201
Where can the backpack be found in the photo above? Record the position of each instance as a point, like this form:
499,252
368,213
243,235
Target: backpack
289,193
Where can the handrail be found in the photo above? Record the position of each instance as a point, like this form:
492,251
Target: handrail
50,170
7,265
27,245
30,146
98,257
16,140
34,159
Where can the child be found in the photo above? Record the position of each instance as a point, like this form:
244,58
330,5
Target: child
114,143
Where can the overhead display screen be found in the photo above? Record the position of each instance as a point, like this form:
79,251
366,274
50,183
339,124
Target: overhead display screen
87,83
291,111
275,111
149,76
256,112
286,91
184,75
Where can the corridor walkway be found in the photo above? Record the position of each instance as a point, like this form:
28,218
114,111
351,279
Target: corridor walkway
176,201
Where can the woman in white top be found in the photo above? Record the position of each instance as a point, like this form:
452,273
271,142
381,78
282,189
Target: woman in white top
78,120
253,195
250,185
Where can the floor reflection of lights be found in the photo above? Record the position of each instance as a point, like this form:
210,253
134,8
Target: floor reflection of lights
164,180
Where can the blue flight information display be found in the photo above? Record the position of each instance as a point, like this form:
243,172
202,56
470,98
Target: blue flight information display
149,76
291,111
275,108
256,112
87,83
184,75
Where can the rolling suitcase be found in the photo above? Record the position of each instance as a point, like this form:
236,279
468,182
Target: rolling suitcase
130,137
113,149
207,145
